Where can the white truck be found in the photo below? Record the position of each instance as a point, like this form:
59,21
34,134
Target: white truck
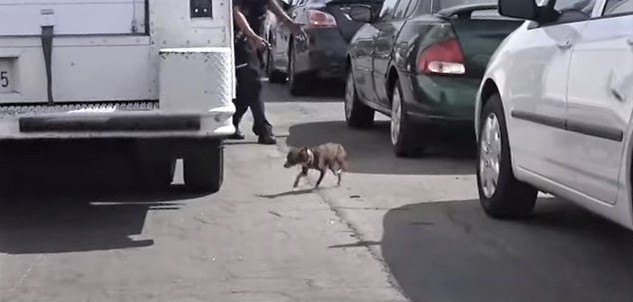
159,72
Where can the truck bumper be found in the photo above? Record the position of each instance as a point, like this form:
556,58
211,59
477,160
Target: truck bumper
216,123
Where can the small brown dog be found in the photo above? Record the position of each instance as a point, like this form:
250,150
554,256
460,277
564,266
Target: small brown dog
327,156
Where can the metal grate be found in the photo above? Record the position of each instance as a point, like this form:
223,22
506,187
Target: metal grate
101,107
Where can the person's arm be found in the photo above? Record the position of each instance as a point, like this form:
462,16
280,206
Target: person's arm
284,19
274,7
241,22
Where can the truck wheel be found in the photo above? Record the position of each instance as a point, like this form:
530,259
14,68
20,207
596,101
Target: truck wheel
500,193
357,114
204,167
157,173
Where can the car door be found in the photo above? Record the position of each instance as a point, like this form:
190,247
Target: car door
362,49
536,89
282,35
388,25
599,101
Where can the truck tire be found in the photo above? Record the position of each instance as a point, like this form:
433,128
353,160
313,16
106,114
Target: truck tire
156,173
204,167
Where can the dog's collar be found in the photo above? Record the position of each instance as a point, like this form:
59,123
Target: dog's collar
310,157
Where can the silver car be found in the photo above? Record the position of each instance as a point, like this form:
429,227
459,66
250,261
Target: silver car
554,109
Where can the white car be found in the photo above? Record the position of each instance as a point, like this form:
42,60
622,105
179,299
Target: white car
553,113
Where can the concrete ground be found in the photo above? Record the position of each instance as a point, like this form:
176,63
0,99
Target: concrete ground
396,229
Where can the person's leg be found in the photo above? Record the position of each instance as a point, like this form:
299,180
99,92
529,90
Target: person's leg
241,105
240,101
250,79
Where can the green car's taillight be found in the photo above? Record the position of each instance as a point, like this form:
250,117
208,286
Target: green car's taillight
443,58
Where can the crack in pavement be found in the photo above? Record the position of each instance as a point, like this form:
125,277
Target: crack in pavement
356,233
26,274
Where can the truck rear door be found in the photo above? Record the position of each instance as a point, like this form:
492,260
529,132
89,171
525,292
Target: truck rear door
72,17
82,48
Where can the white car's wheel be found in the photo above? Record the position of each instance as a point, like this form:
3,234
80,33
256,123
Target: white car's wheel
500,193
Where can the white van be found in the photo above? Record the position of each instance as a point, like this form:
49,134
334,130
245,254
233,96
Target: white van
157,71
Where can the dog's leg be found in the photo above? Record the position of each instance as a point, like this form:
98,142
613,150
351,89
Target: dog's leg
304,172
337,171
320,178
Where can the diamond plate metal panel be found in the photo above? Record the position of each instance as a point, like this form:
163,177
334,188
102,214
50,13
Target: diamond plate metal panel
222,62
103,107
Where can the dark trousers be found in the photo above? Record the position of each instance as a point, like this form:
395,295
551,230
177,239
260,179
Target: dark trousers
249,88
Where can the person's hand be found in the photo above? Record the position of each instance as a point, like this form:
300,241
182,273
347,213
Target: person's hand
257,42
295,28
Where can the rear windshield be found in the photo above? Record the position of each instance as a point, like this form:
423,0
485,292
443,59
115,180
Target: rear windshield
444,4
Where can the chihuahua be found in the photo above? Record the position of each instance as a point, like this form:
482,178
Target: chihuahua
327,156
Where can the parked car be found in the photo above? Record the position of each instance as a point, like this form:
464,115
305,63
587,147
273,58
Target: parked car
420,62
270,28
322,54
554,110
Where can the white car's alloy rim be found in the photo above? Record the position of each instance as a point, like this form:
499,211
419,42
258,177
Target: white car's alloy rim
396,111
490,155
349,95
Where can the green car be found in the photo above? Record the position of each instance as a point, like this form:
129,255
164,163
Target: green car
420,62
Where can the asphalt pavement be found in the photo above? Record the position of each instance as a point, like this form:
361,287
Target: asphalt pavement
396,229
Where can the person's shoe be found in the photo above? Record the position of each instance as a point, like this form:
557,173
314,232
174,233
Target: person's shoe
238,135
266,140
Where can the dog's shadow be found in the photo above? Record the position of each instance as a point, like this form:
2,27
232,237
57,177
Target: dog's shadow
289,193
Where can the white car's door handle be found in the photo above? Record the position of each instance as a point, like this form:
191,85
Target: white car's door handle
630,41
565,44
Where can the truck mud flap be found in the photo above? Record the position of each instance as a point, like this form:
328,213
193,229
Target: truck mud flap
109,124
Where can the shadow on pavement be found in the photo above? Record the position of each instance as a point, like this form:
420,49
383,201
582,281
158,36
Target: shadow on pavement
323,91
370,150
362,243
66,206
287,193
451,251
86,220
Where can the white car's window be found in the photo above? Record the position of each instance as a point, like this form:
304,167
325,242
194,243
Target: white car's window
585,6
618,7
444,4
572,10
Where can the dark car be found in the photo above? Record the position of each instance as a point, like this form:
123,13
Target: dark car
322,55
420,62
